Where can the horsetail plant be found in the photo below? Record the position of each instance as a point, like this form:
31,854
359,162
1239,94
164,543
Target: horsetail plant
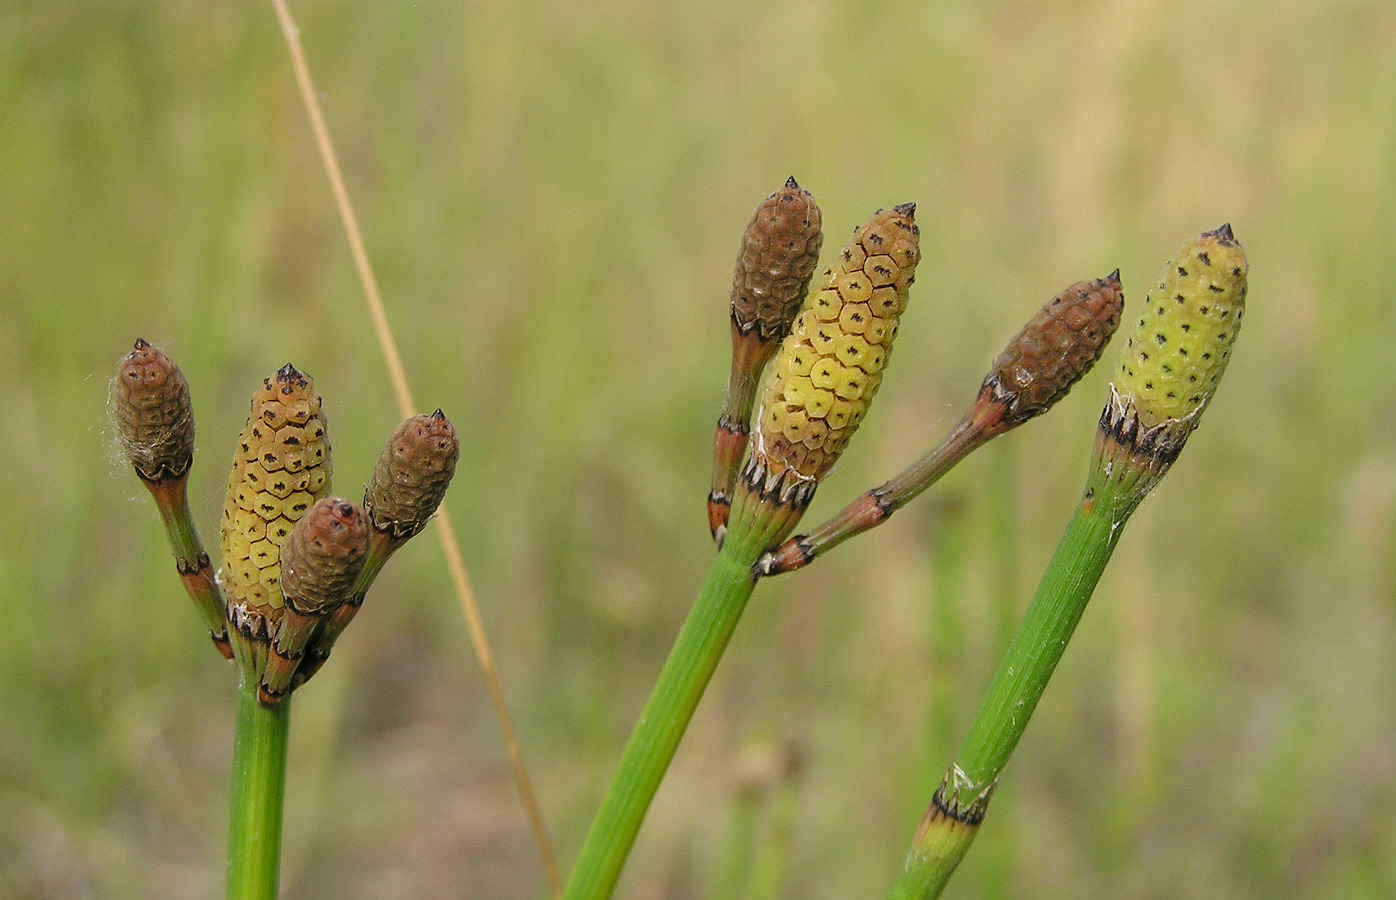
824,375
293,558
1168,372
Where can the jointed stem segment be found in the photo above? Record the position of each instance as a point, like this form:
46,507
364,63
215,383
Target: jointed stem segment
259,782
750,352
192,562
952,821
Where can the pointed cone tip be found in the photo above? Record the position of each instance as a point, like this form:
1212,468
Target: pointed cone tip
1224,234
907,209
287,373
141,344
438,414
1113,277
792,183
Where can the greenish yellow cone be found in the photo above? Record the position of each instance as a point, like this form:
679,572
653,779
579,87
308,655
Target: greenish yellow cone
1175,356
778,255
281,469
406,488
321,562
828,369
150,402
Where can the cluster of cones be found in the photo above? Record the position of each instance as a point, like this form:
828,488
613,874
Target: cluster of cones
297,562
823,353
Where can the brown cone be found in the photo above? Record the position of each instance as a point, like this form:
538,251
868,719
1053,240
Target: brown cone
412,475
323,556
1055,348
150,400
780,249
320,563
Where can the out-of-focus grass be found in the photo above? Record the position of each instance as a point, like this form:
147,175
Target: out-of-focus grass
552,194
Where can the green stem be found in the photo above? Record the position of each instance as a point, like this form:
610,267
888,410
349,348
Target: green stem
192,563
952,820
690,666
259,786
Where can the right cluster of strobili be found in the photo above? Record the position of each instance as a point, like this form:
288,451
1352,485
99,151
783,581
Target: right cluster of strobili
806,363
297,562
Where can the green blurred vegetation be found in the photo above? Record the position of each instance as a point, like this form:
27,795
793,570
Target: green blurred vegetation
552,194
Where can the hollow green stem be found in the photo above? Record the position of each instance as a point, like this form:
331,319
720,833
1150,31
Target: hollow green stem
1113,492
690,666
259,786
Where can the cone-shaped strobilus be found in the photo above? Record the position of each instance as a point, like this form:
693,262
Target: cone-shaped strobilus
155,421
154,416
1038,367
1178,351
320,564
281,469
1169,369
778,255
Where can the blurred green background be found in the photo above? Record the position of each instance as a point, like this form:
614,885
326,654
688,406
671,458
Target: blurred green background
552,195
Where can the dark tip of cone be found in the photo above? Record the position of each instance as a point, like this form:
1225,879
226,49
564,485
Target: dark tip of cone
907,209
1113,277
791,183
141,344
1223,234
438,414
287,373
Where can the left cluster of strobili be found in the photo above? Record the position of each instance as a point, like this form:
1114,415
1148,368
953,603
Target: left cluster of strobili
297,562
